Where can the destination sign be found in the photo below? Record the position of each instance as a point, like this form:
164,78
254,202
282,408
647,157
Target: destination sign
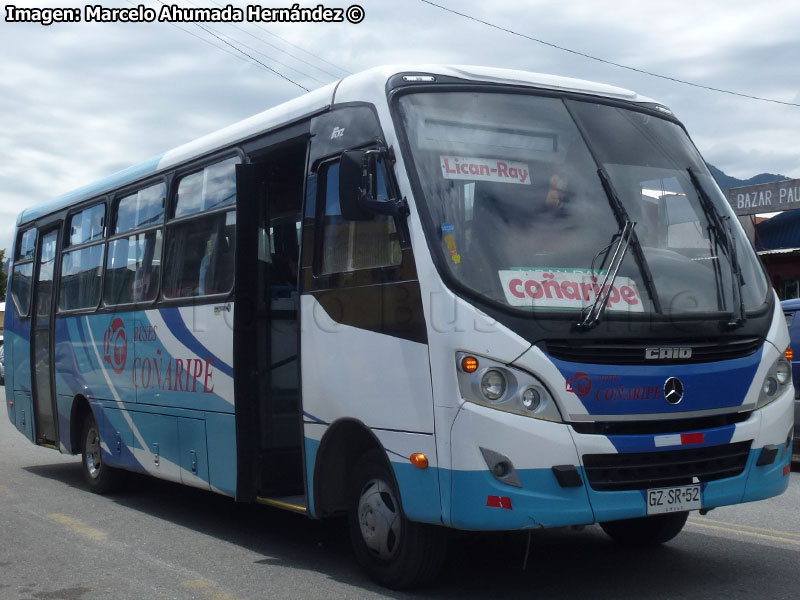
765,198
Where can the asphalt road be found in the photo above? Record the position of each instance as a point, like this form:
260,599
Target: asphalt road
160,540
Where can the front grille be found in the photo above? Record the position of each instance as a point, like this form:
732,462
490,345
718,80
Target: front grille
616,352
654,427
615,472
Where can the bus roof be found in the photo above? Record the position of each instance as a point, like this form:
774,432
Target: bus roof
351,88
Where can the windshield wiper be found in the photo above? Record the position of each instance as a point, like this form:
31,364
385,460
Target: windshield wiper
600,303
720,227
622,218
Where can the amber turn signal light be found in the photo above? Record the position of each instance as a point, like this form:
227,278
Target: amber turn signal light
469,364
419,460
789,354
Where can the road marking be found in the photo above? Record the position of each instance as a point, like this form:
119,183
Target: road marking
762,536
3,488
750,527
79,527
209,590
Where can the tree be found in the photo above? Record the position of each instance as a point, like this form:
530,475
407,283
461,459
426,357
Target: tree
3,275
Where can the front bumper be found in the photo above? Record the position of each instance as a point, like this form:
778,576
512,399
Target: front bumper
479,501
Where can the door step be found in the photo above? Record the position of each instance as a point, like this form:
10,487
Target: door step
296,504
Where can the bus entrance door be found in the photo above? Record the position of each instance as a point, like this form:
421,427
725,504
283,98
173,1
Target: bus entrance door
41,338
266,334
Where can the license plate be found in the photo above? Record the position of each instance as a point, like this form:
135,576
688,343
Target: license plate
673,499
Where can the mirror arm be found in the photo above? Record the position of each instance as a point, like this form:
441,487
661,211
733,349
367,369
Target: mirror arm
394,207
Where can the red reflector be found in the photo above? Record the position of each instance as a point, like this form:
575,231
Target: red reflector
692,438
499,502
786,470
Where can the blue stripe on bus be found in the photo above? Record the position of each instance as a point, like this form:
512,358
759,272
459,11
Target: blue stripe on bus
67,364
82,337
315,419
181,332
625,389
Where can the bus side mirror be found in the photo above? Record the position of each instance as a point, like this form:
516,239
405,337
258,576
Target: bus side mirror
354,178
358,188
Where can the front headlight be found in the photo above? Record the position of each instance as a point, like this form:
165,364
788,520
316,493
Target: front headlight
493,384
783,372
777,379
505,388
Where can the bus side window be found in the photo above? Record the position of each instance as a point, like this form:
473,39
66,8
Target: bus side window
22,273
132,268
355,245
82,268
200,256
81,273
200,247
133,263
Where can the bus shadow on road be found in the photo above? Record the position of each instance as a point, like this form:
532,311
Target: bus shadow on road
560,562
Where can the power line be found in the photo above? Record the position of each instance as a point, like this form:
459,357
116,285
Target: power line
240,43
278,73
209,42
289,53
237,49
608,62
213,45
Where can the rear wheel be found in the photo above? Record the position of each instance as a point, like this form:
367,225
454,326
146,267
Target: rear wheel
646,531
101,478
396,552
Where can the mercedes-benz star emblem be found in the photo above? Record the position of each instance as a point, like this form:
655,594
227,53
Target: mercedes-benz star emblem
673,390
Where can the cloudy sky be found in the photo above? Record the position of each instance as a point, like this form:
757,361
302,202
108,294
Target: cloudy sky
80,101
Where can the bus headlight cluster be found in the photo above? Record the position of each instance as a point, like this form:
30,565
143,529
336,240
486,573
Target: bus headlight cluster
491,383
778,378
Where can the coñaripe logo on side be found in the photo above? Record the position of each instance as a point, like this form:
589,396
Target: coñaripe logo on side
115,346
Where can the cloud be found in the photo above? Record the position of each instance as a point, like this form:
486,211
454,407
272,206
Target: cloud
80,101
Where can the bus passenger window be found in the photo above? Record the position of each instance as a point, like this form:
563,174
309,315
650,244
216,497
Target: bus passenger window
87,225
355,245
27,245
133,264
22,273
142,209
200,256
82,268
81,273
132,268
213,187
21,288
200,250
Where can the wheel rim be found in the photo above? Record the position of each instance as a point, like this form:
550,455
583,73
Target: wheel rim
379,519
93,462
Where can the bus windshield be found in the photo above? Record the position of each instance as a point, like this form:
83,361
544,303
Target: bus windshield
514,188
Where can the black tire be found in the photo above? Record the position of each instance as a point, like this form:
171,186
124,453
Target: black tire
646,531
100,477
397,553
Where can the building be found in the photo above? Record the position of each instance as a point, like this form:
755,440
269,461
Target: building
777,241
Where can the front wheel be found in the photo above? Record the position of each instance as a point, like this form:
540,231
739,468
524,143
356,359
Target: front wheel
396,552
101,478
646,531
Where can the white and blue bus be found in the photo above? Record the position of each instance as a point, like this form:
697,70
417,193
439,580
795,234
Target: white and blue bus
424,297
